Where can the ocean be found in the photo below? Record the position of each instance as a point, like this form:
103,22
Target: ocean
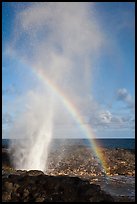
106,143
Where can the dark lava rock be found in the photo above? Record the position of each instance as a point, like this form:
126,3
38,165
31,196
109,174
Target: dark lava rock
34,173
43,188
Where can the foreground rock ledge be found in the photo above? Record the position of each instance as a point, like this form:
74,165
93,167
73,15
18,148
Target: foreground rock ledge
34,186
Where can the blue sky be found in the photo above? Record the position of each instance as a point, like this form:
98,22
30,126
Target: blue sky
113,84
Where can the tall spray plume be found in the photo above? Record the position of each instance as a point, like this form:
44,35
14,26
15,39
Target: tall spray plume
60,43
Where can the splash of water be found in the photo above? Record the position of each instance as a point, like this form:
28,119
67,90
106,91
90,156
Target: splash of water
61,39
30,150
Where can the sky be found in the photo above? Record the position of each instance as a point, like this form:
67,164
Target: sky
96,41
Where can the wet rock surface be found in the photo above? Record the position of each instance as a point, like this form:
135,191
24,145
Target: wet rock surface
116,182
81,160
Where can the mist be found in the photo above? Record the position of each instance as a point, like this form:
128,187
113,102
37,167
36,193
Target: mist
60,42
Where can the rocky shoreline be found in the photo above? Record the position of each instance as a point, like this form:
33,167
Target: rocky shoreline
34,186
82,161
74,175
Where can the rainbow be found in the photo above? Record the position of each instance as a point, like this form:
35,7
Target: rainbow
72,109
87,130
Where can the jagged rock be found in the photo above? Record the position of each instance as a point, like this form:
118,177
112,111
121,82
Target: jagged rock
43,188
6,196
39,199
34,173
8,186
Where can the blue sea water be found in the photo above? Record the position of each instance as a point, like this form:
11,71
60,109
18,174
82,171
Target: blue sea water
106,143
114,143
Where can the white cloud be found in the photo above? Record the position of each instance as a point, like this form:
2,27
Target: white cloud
123,95
104,119
105,116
